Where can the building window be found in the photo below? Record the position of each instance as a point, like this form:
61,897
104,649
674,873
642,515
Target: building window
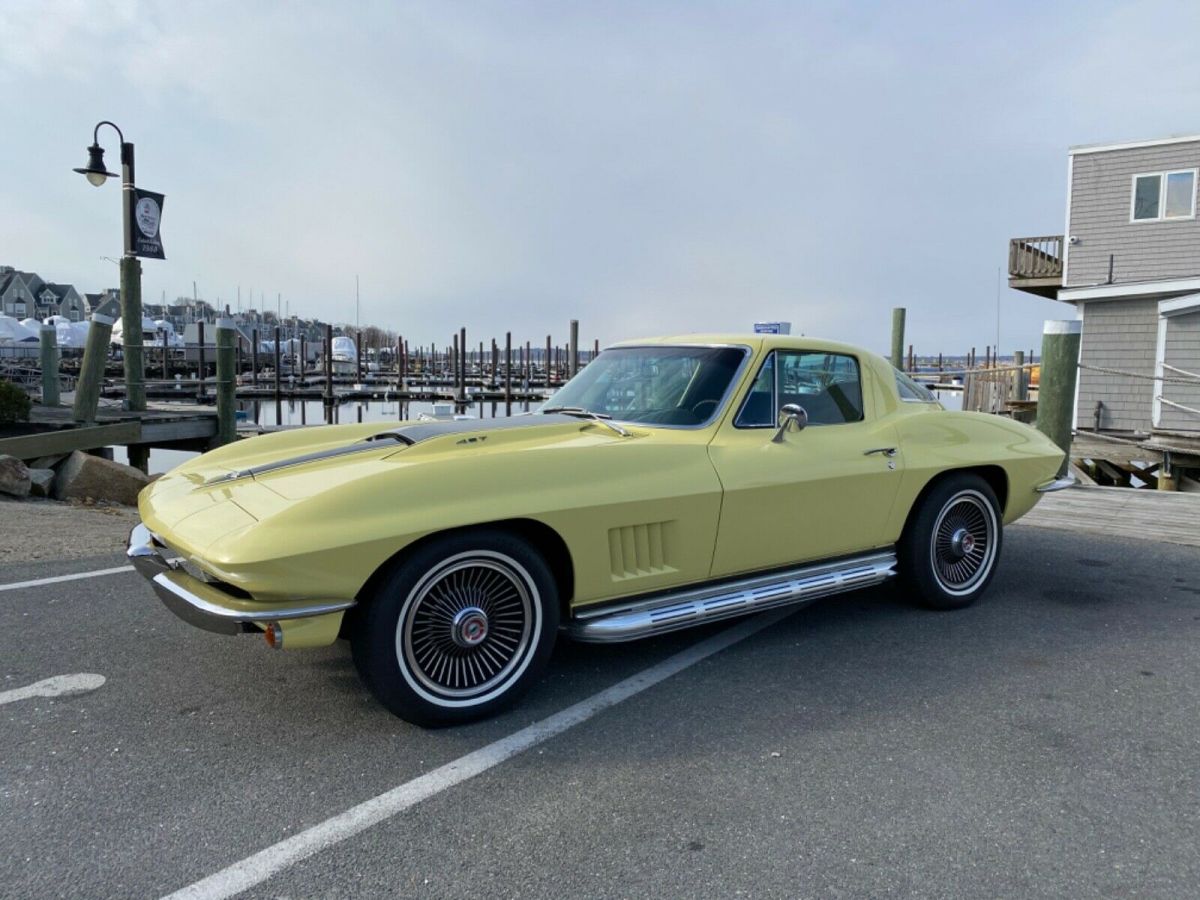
1158,196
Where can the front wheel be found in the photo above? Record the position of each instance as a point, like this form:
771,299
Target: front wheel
950,546
458,630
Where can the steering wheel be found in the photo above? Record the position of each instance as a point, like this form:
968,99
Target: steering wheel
704,415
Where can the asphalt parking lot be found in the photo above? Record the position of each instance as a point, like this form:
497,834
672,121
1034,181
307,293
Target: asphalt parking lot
1043,743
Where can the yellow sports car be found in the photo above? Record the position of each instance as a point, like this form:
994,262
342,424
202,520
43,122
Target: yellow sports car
672,482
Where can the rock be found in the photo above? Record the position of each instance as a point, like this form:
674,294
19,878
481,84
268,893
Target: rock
85,477
14,477
41,482
47,462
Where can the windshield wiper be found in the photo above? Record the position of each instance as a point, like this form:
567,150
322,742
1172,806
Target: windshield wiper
601,418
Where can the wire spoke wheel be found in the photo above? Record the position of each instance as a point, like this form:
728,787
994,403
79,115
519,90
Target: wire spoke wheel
468,628
964,542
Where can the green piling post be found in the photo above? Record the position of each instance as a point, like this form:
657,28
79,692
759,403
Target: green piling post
95,354
897,358
1056,384
48,337
131,322
226,382
573,357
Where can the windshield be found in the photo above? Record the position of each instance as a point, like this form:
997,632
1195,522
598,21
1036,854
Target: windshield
661,385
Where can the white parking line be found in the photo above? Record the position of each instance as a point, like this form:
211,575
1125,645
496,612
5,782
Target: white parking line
262,865
37,582
58,686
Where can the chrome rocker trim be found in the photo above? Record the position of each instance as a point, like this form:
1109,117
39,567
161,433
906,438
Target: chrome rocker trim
1057,484
698,606
201,604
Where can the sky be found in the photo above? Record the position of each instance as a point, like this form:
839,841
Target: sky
645,167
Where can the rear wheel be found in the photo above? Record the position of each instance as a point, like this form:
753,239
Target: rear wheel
459,629
951,544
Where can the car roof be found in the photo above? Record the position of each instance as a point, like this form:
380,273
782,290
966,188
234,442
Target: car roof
754,341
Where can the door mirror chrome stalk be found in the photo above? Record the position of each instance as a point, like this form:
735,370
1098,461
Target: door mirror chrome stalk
792,417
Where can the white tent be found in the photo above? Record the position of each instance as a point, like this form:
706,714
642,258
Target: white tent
344,349
148,331
13,332
163,327
71,334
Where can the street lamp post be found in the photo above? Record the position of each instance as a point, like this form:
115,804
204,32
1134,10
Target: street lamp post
131,266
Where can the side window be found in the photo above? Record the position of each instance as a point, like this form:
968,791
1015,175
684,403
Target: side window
912,391
827,385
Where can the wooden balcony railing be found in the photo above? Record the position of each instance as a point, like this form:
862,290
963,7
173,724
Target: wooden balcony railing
1036,257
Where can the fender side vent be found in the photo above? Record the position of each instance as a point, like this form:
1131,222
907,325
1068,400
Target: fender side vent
636,551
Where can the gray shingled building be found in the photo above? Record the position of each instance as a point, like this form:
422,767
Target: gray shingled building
1129,261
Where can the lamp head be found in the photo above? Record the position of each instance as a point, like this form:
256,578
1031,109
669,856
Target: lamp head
95,171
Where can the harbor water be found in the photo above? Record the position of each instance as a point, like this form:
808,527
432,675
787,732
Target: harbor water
300,413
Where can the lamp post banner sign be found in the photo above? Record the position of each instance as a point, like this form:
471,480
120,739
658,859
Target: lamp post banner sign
146,218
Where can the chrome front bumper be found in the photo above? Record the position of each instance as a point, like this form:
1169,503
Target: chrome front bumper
206,605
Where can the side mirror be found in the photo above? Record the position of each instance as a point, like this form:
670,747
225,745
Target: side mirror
792,417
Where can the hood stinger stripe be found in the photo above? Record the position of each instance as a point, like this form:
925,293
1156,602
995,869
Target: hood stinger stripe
408,435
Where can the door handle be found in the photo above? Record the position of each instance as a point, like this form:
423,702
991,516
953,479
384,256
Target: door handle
886,451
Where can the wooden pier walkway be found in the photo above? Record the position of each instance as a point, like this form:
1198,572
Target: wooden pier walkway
52,431
1121,512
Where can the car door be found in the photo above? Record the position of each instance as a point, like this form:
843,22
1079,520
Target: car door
823,491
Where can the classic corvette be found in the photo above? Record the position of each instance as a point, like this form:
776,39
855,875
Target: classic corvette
672,482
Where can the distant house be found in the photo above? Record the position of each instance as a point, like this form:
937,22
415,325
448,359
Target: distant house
16,293
25,295
64,300
1129,261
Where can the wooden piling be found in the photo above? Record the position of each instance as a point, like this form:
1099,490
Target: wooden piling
278,374
1021,382
328,394
131,323
573,352
911,359
508,373
898,314
201,362
48,345
254,357
95,354
358,357
226,383
547,362
303,360
1056,386
462,366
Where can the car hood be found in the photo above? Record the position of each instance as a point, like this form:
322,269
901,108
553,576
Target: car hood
245,482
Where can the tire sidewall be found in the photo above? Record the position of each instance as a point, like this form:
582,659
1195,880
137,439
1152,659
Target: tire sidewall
916,544
377,637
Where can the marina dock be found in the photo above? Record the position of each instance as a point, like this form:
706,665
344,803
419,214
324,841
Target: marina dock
1119,512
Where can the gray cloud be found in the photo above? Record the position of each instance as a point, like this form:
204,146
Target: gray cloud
642,167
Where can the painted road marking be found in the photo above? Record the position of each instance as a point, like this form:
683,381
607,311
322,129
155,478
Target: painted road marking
37,582
258,868
58,686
